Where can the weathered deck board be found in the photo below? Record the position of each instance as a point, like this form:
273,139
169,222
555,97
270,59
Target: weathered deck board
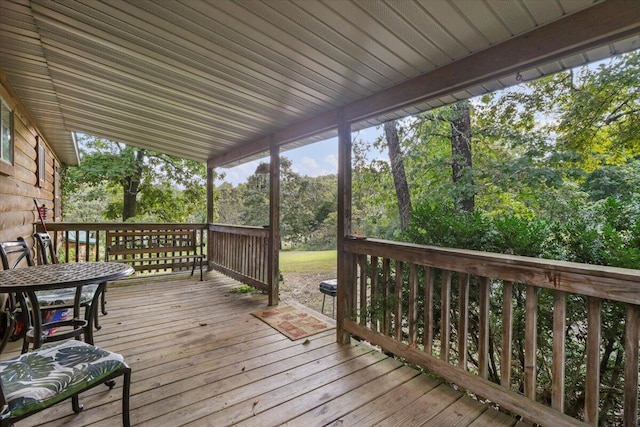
199,358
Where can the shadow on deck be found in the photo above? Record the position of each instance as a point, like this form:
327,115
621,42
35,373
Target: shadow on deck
200,358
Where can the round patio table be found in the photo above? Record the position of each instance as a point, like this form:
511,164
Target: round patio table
29,280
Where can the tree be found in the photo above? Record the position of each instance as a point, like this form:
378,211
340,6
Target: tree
305,202
374,209
461,161
565,149
397,171
146,181
620,182
228,203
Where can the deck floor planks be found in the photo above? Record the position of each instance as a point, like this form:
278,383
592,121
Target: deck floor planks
257,396
200,358
339,406
424,408
494,419
464,411
184,374
377,410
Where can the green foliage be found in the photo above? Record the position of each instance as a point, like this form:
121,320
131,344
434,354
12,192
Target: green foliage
161,187
307,206
246,289
620,181
604,232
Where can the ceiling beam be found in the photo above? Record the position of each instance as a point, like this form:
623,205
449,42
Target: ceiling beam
597,25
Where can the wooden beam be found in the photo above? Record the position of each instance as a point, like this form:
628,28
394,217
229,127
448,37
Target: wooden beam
292,133
600,24
210,210
597,25
346,276
274,226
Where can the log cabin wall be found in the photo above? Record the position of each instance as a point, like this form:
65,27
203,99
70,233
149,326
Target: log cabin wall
19,188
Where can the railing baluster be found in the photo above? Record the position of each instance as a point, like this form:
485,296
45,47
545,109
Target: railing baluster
592,380
76,246
445,322
632,335
413,305
362,261
463,319
374,294
484,289
398,306
66,246
530,342
97,246
386,314
559,338
428,310
507,334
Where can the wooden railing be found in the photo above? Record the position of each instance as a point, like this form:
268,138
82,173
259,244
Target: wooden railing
241,253
78,241
431,306
237,251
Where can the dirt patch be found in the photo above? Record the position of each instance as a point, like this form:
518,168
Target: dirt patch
303,288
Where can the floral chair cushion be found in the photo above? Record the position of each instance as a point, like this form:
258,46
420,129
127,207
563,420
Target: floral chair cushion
37,380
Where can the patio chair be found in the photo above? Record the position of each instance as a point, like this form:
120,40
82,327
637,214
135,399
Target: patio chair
15,254
35,381
13,306
46,255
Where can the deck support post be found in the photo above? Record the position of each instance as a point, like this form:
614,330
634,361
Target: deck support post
210,210
345,260
274,224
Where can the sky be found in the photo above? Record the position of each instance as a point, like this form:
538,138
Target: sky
320,158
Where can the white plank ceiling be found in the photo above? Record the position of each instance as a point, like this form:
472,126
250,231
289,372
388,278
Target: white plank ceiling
198,79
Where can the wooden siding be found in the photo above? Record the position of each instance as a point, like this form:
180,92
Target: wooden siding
199,358
17,210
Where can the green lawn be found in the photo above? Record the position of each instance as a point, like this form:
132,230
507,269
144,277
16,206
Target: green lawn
307,261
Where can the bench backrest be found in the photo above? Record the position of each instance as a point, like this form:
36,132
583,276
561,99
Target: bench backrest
131,242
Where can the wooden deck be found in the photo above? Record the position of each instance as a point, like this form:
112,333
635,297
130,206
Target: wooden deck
199,358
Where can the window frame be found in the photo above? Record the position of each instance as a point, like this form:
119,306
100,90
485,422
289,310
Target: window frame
6,166
57,191
42,162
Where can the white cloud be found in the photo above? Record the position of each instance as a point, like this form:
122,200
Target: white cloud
332,161
309,163
240,173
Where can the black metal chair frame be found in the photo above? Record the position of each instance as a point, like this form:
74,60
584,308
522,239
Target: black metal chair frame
14,305
12,253
46,255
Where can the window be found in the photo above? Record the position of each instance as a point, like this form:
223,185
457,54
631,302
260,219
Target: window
57,191
42,162
6,136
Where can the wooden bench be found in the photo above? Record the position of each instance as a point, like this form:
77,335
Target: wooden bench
148,250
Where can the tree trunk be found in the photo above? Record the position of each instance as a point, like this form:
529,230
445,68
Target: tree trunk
399,176
131,185
461,163
129,206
